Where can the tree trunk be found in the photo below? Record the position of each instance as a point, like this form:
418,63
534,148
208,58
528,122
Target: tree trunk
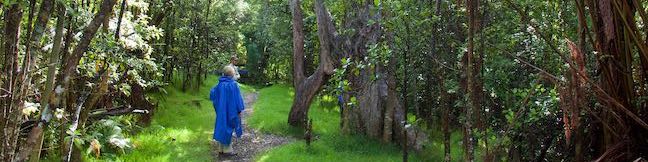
443,94
29,63
306,89
168,41
30,21
616,34
95,97
69,70
57,98
582,33
445,116
88,34
34,40
391,100
10,114
304,95
156,20
298,42
189,61
119,21
404,87
35,138
470,82
378,112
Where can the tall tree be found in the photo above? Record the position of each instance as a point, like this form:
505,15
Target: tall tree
616,34
69,69
471,103
307,88
11,113
35,140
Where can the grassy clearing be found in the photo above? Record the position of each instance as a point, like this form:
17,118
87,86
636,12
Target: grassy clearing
181,129
271,114
188,118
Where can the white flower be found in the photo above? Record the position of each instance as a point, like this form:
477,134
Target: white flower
119,142
139,4
58,113
30,108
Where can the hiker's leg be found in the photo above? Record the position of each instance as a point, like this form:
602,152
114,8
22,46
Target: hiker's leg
227,149
217,146
222,148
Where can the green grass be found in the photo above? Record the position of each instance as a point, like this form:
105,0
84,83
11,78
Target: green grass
186,117
436,150
271,114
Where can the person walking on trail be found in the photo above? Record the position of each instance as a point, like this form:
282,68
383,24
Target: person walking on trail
233,62
228,104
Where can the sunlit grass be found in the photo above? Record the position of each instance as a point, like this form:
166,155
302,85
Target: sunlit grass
271,114
181,128
271,111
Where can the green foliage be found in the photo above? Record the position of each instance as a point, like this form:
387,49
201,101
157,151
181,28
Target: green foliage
110,135
267,34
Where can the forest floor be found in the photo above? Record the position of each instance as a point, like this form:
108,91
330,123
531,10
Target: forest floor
182,128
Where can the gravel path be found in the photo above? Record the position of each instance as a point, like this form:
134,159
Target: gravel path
252,142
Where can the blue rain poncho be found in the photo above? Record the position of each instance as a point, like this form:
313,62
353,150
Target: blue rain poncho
228,103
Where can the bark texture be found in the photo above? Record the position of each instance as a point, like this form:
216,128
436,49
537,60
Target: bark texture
307,88
10,112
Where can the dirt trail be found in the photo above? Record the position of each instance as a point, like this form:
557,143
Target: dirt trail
252,142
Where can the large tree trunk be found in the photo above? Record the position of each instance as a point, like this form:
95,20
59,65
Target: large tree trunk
616,34
378,112
307,88
582,33
298,42
10,114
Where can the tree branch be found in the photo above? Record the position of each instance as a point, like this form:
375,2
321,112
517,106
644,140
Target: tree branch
117,111
298,42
